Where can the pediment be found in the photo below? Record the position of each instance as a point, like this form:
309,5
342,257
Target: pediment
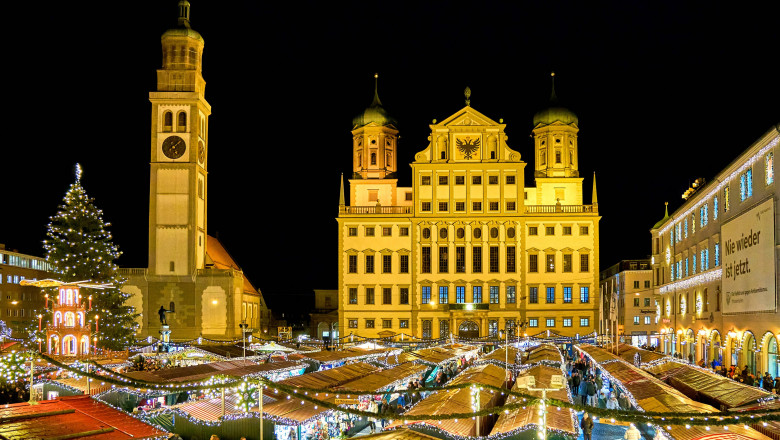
467,116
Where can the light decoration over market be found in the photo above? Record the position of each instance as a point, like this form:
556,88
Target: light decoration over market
13,366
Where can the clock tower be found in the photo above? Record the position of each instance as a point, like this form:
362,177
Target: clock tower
179,147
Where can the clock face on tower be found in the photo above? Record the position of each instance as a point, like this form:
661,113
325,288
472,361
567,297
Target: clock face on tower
173,147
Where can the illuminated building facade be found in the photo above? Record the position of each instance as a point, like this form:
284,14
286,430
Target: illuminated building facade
715,266
186,266
631,283
468,249
18,303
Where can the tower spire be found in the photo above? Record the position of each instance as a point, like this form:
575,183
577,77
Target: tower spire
553,96
594,197
341,194
376,102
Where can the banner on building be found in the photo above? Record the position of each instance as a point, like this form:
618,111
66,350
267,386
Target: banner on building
613,304
748,268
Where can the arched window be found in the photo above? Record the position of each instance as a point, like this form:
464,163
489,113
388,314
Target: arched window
443,154
181,124
70,319
69,297
80,319
57,319
84,345
168,121
373,158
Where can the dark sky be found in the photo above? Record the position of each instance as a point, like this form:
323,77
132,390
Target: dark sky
665,92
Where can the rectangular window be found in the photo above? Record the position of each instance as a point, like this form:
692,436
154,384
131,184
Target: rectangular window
460,294
387,264
476,206
550,322
476,294
425,263
636,320
403,231
510,206
403,323
533,263
510,259
493,328
369,295
476,259
511,295
717,254
460,259
352,232
715,208
551,295
387,295
584,262
443,180
647,320
476,180
425,206
444,263
583,230
369,323
460,180
353,323
408,196
746,184
387,232
443,206
584,322
704,215
444,295
494,295
566,230
567,322
387,323
352,259
533,322
510,180
426,329
369,232
647,302
533,295
584,295
567,263
493,206
647,284
567,299
369,264
353,295
425,180
492,180
533,230
726,201
769,168
636,284
404,294
403,263
426,294
636,302
460,206
549,230
494,259
550,262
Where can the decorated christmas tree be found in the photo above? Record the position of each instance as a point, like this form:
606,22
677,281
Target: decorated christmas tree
80,248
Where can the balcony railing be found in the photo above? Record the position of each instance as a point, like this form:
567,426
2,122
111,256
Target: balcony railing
132,271
557,209
346,210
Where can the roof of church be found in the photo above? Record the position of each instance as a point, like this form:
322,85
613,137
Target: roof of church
663,220
555,113
222,260
374,113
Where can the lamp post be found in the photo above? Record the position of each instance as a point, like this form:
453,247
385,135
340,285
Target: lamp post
528,382
505,331
243,326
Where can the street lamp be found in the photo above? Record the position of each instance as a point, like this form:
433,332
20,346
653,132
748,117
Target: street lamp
506,356
243,326
528,382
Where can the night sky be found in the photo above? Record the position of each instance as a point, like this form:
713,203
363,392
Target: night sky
665,92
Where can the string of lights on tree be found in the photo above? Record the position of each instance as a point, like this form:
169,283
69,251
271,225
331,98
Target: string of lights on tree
80,247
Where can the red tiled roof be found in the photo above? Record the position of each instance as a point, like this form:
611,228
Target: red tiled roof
71,415
222,260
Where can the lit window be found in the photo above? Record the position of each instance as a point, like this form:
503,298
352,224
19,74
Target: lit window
403,323
444,295
584,295
510,295
703,215
715,208
460,294
726,201
636,320
533,322
353,323
685,228
426,294
769,168
369,323
550,322
717,254
746,184
551,295
493,328
494,295
584,322
567,322
567,295
476,294
647,320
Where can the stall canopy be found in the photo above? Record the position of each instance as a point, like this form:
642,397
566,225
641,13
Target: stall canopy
543,353
652,394
95,387
271,346
330,378
381,380
706,386
349,354
237,368
627,353
434,355
227,351
459,401
72,417
558,419
210,410
499,356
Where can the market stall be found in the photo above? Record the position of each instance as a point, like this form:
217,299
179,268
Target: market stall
323,360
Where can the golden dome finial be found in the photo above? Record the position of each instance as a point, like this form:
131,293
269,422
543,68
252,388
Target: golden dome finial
467,94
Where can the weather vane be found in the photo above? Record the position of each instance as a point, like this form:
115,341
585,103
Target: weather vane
467,94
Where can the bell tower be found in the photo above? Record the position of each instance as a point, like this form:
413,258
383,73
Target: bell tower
374,139
555,140
179,152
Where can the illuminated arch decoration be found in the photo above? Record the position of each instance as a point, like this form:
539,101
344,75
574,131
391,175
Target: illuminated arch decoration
84,345
54,344
69,345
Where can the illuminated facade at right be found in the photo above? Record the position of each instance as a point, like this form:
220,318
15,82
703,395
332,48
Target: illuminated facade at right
715,266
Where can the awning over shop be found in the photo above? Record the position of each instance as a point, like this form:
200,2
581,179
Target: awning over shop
381,380
237,368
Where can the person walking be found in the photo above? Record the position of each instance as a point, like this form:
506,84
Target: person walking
612,402
587,425
768,382
632,433
582,391
591,388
